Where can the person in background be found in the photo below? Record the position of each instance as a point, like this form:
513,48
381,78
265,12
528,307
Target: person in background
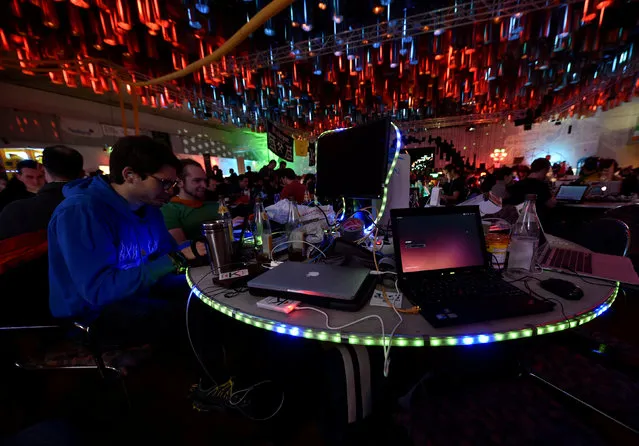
216,172
24,184
241,191
292,187
232,175
108,245
212,189
309,182
455,190
472,186
62,164
589,171
535,184
503,178
267,171
186,212
3,181
522,172
609,168
279,172
250,174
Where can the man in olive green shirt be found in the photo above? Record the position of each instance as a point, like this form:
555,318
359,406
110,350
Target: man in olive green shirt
186,212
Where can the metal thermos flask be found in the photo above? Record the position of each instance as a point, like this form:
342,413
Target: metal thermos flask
218,244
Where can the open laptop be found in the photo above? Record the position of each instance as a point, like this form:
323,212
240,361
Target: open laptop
604,189
443,267
571,194
330,286
584,263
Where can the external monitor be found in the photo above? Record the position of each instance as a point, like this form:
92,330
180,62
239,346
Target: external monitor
353,163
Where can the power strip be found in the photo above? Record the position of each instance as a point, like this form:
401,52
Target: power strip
278,304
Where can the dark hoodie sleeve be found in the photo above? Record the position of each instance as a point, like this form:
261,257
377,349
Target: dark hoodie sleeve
87,246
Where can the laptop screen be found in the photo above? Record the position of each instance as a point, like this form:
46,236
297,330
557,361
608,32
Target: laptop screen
439,241
574,193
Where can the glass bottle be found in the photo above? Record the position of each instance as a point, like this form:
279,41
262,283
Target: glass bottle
524,238
262,233
294,233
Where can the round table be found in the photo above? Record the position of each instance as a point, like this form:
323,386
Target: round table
603,205
415,331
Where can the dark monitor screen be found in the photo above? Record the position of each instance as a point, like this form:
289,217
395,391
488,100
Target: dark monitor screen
353,163
439,242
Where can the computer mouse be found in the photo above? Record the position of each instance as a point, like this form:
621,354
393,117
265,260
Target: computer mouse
562,288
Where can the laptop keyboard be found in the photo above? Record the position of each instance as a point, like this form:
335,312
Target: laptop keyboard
464,299
570,260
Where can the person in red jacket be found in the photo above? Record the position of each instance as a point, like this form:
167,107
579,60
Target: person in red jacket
292,186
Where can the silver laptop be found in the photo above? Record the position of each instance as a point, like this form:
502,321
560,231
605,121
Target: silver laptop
585,263
310,279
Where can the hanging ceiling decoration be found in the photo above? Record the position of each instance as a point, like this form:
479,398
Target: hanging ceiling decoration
327,64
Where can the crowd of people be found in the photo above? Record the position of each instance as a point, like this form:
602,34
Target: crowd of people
512,184
116,242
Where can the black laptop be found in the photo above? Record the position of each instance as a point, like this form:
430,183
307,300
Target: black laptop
571,194
443,267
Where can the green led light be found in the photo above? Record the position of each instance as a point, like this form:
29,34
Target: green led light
369,341
353,340
435,342
258,324
562,326
513,335
527,332
308,334
322,336
402,342
551,328
418,342
499,337
541,330
336,338
451,341
269,327
247,320
573,324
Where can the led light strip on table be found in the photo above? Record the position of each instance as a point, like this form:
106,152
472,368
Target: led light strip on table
399,341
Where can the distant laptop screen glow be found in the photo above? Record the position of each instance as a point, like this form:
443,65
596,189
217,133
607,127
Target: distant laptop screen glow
573,193
436,242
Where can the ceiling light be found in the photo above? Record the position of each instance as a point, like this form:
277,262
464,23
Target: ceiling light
322,6
378,9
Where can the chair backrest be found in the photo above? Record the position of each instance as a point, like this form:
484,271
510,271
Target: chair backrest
630,216
606,236
24,280
21,249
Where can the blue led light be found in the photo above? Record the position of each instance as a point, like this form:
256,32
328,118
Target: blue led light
281,329
468,340
483,339
294,331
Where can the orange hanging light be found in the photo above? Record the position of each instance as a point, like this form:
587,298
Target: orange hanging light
49,15
81,3
75,21
107,29
123,15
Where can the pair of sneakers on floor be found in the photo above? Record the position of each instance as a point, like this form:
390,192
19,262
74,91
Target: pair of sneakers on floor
262,400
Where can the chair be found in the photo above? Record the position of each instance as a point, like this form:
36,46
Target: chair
25,309
605,236
629,214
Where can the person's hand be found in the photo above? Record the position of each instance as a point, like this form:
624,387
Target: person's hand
238,221
200,248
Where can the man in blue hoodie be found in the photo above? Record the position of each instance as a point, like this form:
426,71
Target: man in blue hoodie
108,245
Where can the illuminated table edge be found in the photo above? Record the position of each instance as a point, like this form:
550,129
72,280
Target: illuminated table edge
328,335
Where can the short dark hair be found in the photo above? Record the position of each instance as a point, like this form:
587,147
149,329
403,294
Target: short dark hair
503,172
591,163
63,162
539,164
241,177
248,168
185,163
288,173
283,163
272,161
26,164
143,155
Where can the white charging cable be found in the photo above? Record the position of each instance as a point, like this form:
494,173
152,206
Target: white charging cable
385,345
296,241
